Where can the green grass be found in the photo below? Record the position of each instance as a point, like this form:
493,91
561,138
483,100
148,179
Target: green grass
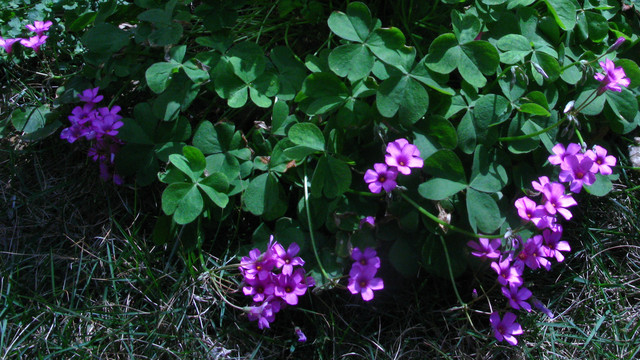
81,279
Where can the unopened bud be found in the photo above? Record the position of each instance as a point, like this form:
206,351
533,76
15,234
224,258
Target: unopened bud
616,44
540,70
569,106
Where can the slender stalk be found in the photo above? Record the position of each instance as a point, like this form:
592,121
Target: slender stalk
528,136
587,101
445,224
453,282
313,239
579,135
363,193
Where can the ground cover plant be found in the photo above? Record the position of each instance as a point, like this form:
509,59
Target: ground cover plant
302,178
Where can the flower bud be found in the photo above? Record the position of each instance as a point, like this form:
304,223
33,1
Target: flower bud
540,70
569,106
616,44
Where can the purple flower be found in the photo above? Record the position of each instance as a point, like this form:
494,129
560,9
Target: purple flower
287,259
301,336
577,172
83,114
403,156
552,246
363,282
257,265
108,173
72,133
559,153
104,149
7,44
367,258
368,221
533,255
264,313
517,297
289,287
34,42
108,122
508,274
39,27
601,161
612,79
505,329
117,179
539,185
259,289
91,96
486,248
556,200
530,211
381,177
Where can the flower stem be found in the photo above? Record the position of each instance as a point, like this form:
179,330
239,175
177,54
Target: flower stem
363,193
445,224
528,136
313,239
583,144
587,101
453,281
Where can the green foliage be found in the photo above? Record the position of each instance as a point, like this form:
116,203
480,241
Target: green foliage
284,129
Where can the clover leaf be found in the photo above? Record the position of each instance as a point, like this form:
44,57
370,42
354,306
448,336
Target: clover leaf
473,59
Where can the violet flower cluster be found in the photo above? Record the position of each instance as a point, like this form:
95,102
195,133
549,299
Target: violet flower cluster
273,279
578,168
33,42
400,158
99,125
362,278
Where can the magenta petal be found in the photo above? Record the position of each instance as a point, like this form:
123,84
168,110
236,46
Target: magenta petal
353,287
563,246
370,176
516,329
511,340
565,213
394,149
376,284
367,294
494,319
605,170
375,187
415,162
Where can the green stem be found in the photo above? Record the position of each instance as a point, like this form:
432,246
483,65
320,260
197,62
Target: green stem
528,136
579,135
117,95
453,282
313,239
587,101
445,224
578,62
362,193
493,83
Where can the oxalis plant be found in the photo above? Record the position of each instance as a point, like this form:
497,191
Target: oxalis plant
464,149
